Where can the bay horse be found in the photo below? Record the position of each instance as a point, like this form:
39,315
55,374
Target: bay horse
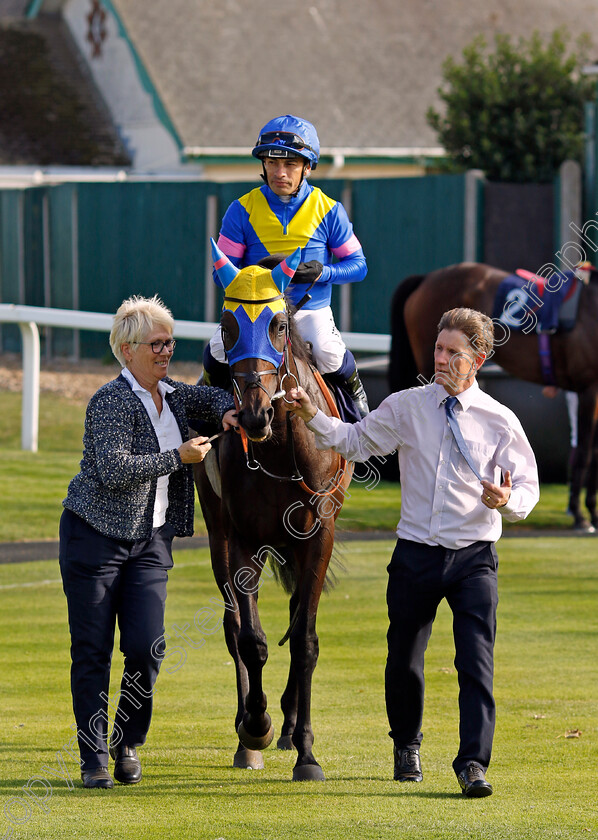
272,495
417,306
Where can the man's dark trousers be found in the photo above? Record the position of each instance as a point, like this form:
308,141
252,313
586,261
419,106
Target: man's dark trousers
420,576
105,579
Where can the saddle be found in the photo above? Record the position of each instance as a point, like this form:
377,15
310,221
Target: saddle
528,303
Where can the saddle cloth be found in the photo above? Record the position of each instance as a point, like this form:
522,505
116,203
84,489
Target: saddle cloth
525,302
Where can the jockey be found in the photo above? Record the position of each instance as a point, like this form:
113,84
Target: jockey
276,218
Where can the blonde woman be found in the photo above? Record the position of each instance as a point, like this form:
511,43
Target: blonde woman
133,494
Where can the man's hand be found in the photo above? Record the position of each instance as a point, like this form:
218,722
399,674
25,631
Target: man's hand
308,272
494,496
302,406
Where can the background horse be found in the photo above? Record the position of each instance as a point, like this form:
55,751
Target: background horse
420,301
278,497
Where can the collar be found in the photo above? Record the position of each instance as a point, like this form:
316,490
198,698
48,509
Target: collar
465,398
163,387
275,200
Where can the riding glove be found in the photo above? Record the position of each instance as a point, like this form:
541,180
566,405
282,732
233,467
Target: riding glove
308,272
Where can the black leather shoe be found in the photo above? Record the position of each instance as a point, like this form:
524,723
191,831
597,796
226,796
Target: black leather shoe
127,767
99,777
407,766
473,781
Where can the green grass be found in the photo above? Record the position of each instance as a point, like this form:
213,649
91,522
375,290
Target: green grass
44,476
546,684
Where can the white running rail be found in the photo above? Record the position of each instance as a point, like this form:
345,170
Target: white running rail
29,318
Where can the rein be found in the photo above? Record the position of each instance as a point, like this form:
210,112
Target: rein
254,464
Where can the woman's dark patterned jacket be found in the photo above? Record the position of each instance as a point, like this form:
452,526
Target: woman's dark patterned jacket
115,489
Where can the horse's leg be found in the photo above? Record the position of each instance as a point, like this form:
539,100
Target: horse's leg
592,480
581,462
305,648
212,512
255,729
244,758
288,701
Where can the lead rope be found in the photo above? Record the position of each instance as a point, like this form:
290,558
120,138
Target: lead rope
343,461
254,464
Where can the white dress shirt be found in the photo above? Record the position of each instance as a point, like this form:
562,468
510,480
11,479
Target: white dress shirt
167,432
441,497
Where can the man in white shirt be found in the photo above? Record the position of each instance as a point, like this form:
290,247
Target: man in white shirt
465,463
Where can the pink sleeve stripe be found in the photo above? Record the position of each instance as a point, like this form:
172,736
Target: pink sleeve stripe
349,247
230,248
288,271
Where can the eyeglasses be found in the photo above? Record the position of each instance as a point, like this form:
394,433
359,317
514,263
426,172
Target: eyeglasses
283,138
158,346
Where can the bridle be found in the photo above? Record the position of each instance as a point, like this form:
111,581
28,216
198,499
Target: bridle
252,379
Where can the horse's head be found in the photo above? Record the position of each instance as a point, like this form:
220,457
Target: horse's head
255,329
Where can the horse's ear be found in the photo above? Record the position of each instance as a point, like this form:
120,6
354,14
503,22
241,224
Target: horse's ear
225,270
283,273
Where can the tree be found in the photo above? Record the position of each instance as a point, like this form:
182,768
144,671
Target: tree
517,113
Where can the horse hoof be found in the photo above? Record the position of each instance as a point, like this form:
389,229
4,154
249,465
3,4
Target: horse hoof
308,773
285,742
248,759
255,742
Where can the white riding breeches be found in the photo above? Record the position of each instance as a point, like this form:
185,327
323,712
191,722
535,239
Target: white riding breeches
217,347
317,326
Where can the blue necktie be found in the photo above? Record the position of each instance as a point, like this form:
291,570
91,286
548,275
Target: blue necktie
449,405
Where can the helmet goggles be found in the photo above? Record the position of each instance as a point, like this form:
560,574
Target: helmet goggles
286,139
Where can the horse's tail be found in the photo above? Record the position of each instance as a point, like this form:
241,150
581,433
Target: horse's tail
402,371
284,569
286,573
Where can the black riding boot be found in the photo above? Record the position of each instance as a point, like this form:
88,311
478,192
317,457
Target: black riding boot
354,387
347,379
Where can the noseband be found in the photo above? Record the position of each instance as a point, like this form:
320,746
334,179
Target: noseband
252,378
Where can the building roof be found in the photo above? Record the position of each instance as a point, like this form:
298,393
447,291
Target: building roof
363,72
51,113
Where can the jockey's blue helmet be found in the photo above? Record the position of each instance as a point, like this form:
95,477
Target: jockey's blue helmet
288,136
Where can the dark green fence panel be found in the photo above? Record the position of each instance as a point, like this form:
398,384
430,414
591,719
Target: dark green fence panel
151,237
406,226
10,214
61,207
34,245
146,239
